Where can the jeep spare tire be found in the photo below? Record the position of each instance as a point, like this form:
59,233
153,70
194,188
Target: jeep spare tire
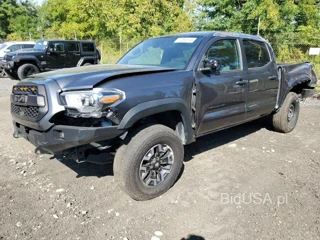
26,70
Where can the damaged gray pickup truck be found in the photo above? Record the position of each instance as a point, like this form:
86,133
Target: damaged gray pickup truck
163,94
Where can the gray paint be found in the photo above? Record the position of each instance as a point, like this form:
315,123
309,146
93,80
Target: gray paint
220,102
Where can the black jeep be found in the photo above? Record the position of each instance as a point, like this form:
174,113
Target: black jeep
50,55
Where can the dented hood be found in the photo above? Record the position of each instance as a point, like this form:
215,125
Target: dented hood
91,76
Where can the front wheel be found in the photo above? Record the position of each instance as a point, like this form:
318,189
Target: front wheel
26,70
286,118
150,163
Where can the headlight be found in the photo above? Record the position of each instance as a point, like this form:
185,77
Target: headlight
90,103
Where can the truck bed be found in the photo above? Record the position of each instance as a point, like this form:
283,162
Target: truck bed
292,75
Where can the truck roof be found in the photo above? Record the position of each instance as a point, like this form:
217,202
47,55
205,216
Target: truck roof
217,33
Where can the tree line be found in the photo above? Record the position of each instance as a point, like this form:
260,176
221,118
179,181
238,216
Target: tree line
86,19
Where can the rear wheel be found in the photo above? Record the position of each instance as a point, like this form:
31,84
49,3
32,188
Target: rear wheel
286,118
26,70
150,163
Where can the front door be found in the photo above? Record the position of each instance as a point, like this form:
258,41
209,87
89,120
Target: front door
221,95
56,55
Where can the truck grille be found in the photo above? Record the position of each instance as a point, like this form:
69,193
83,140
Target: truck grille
28,112
23,105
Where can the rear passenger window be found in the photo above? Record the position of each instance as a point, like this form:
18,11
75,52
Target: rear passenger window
73,47
257,53
88,47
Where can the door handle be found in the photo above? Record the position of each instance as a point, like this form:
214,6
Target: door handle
273,77
242,82
77,54
63,55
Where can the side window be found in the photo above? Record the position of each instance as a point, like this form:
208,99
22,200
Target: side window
14,47
257,53
56,47
27,45
226,52
88,47
73,47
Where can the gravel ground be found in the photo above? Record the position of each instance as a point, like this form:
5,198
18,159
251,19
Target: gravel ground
247,182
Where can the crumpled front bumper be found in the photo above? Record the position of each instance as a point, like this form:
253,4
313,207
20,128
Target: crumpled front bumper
61,137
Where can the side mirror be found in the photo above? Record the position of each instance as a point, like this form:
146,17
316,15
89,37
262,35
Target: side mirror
7,51
210,66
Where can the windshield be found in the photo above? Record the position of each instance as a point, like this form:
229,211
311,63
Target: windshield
2,46
172,52
41,45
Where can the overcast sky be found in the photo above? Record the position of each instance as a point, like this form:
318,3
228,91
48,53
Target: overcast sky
39,2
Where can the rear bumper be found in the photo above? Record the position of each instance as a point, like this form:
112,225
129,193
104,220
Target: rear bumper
61,137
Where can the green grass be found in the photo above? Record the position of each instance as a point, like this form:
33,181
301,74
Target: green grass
318,89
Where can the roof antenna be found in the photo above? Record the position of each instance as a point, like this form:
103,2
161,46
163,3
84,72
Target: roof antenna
258,33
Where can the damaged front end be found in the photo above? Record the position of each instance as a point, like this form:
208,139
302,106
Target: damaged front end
98,153
94,114
85,129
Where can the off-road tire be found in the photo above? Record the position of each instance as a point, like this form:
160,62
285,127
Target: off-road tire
130,154
26,70
286,118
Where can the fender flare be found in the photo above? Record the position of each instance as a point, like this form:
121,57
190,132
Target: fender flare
32,58
150,108
83,59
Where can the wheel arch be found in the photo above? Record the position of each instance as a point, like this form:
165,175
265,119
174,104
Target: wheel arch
302,84
85,60
29,60
165,111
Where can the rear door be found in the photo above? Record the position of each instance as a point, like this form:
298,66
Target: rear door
73,53
56,55
262,76
221,95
